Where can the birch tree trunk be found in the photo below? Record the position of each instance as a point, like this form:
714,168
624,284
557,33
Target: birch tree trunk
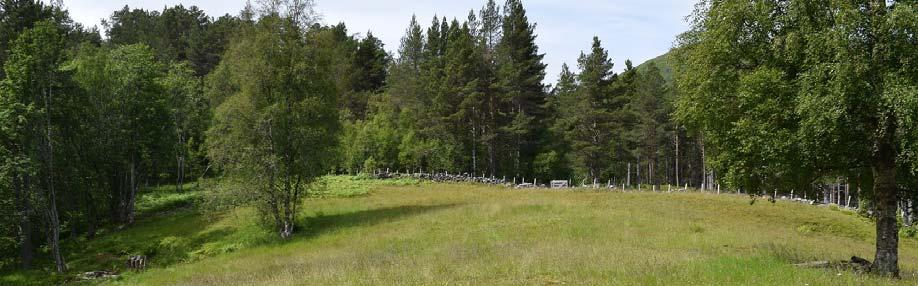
886,192
53,219
131,196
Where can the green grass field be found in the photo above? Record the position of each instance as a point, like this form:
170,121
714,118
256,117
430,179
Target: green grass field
406,233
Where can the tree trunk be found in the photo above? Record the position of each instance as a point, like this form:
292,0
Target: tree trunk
492,158
886,194
637,168
54,238
54,226
286,230
885,152
90,216
25,225
704,166
116,208
180,172
677,158
131,194
628,178
474,126
179,185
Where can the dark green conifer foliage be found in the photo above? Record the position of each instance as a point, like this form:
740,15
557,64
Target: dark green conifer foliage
520,73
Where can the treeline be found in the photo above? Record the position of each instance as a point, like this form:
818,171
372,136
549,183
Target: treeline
86,124
468,96
168,97
272,98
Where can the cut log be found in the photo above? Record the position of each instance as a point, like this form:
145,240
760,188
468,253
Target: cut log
813,264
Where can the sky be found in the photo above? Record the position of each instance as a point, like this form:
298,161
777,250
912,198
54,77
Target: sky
638,30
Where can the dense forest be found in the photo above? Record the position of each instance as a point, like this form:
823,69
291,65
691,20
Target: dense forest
276,99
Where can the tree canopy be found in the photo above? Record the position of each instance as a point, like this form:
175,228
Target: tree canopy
788,91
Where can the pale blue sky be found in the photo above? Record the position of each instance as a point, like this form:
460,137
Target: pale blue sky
630,29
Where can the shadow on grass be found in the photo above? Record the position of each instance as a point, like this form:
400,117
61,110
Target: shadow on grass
320,223
176,237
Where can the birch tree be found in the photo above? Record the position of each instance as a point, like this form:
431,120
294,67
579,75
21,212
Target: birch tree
279,126
785,89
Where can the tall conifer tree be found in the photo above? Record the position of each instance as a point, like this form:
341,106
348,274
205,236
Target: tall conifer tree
520,73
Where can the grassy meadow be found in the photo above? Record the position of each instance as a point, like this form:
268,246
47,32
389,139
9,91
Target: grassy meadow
362,232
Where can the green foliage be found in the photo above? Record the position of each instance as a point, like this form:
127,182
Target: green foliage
377,137
909,232
30,115
585,120
789,92
782,98
166,199
653,130
279,126
176,33
520,72
190,113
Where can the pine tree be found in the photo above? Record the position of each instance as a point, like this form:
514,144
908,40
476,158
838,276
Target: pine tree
650,106
488,39
370,65
623,123
520,74
406,89
463,86
589,129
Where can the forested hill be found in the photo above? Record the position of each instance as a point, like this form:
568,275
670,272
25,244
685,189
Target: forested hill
664,63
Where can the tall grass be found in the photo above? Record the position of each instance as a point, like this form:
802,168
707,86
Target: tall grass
364,232
474,235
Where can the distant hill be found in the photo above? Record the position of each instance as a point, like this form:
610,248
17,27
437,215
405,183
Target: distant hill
664,63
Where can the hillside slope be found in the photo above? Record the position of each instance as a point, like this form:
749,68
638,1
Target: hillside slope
463,234
664,63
